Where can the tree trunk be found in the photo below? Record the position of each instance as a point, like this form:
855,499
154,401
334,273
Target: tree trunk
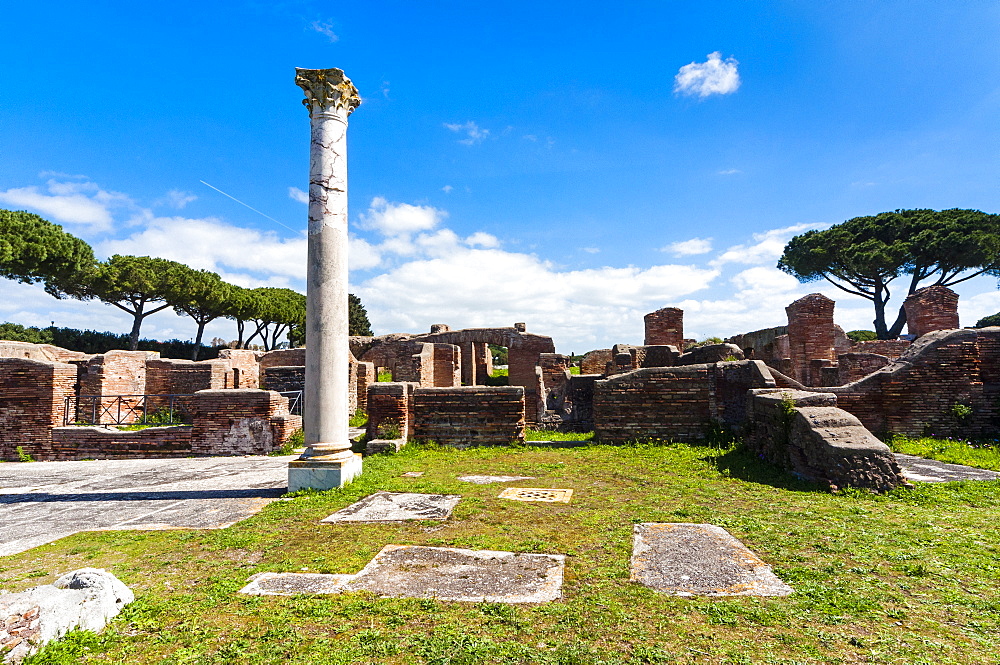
197,339
133,338
897,326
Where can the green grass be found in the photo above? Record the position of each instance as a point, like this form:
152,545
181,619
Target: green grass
984,455
384,376
912,576
551,435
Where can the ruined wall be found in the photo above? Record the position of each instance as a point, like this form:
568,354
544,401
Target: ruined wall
183,377
244,367
555,379
917,393
77,443
282,358
931,308
366,377
807,434
447,365
32,402
11,349
407,361
665,326
811,335
675,403
113,373
710,353
284,379
240,422
595,362
854,366
468,416
390,412
759,344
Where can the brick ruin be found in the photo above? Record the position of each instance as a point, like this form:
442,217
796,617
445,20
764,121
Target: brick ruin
947,383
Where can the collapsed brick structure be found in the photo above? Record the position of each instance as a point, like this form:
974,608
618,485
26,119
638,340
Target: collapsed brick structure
665,327
929,309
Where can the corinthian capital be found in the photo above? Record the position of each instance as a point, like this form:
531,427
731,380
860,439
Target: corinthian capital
327,89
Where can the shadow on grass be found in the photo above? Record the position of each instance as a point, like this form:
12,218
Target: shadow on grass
739,462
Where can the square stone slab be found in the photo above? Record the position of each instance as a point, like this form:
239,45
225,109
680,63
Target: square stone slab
486,480
444,573
397,507
699,560
536,494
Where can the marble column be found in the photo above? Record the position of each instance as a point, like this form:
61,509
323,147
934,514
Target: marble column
327,461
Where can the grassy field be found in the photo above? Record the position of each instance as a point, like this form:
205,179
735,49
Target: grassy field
908,577
984,455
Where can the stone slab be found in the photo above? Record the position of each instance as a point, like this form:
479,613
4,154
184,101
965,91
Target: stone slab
443,573
699,560
486,480
41,502
397,507
539,494
925,470
322,474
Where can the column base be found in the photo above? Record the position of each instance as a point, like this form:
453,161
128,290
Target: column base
320,474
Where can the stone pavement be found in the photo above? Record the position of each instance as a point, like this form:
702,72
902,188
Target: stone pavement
44,501
932,471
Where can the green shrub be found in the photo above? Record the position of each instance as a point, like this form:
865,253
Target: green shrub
862,335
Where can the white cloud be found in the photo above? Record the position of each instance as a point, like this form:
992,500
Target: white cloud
385,89
474,134
482,239
729,172
391,219
447,189
766,248
324,28
297,194
176,198
715,76
70,202
689,247
590,250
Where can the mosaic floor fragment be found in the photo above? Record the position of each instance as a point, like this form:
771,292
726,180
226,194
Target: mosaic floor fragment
486,480
397,507
539,494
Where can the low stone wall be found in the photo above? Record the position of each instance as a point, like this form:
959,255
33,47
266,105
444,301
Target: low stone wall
595,362
469,416
675,403
389,412
75,443
890,348
854,366
807,434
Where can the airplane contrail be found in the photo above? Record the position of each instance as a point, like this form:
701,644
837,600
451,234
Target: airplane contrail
248,206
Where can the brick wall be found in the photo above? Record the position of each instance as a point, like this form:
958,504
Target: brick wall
467,416
931,308
10,349
665,326
807,434
283,358
240,422
595,362
447,365
917,393
389,410
811,335
854,366
675,403
32,402
366,377
284,379
244,366
114,373
183,377
76,443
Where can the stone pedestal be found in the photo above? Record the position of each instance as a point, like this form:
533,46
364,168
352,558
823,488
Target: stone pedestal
327,461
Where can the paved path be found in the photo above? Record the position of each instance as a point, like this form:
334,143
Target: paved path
44,501
933,471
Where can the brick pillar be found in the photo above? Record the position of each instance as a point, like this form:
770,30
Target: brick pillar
931,308
810,336
665,326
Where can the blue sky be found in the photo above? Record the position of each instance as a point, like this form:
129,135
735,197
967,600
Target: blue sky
572,165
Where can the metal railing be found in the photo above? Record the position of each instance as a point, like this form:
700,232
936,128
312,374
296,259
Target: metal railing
294,401
127,410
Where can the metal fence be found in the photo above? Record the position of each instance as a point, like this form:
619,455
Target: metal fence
294,401
128,410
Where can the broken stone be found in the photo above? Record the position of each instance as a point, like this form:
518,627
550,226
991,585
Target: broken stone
85,599
397,507
699,560
486,480
444,573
